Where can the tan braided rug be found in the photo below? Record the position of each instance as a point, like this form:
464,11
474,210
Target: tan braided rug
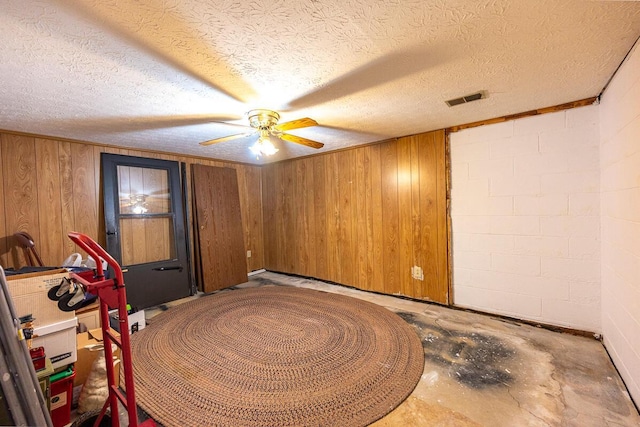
275,356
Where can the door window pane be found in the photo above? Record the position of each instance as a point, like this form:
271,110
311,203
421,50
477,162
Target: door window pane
146,240
143,190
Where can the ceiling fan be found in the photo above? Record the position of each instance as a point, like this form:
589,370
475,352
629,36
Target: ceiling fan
266,124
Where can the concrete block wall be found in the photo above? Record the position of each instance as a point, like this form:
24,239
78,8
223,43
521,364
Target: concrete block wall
525,207
620,207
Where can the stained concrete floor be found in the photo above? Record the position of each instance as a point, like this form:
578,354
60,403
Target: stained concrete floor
486,371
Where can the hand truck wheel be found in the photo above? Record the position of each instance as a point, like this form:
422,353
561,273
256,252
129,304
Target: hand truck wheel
72,301
58,291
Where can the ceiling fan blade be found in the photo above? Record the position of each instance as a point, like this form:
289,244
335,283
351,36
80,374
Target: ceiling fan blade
296,124
300,140
226,138
228,123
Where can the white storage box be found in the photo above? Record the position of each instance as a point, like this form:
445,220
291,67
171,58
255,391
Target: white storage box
59,342
137,321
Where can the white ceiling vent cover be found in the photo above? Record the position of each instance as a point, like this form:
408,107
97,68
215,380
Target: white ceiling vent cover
465,99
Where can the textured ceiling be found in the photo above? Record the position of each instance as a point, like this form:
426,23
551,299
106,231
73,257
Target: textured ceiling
162,74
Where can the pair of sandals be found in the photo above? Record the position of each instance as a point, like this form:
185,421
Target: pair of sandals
70,295
75,260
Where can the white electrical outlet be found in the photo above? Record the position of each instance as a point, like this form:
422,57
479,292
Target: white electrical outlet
248,254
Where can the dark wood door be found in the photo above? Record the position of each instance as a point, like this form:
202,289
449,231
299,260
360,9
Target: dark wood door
218,228
145,224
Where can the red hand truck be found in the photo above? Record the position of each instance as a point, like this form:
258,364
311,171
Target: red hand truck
112,295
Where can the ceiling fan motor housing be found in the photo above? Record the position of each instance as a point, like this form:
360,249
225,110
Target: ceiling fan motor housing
263,119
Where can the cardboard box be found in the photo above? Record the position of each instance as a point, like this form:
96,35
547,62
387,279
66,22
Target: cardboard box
29,296
85,341
58,340
137,321
89,316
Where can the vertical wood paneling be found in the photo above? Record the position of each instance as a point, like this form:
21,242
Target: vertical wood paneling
268,216
242,185
289,259
390,218
363,226
284,241
308,190
250,184
441,216
377,211
405,217
21,191
301,224
416,214
49,204
334,251
377,278
320,217
254,217
428,205
278,232
352,225
67,197
84,190
49,241
275,238
346,263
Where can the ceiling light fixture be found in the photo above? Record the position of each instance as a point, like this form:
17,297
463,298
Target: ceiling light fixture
265,123
138,203
263,145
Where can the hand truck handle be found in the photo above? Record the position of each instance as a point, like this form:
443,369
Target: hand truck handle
96,251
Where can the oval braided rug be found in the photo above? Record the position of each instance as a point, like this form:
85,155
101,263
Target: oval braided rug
275,356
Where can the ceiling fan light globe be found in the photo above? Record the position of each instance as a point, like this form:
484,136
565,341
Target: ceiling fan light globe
139,210
256,148
268,148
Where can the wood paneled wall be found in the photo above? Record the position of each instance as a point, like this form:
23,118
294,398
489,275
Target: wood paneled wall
50,187
363,217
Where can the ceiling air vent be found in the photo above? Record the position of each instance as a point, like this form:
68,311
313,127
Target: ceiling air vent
465,99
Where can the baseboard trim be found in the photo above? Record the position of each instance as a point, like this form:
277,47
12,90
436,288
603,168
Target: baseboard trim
254,272
504,318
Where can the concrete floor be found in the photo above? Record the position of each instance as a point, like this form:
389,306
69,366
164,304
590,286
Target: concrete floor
485,371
